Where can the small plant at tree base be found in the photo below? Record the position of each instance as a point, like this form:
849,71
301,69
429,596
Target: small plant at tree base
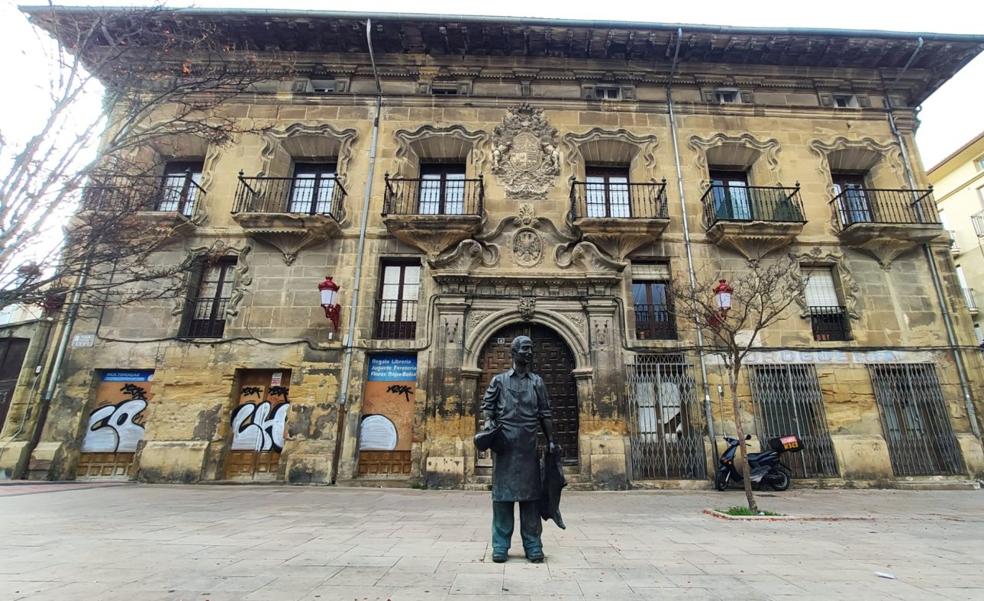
738,510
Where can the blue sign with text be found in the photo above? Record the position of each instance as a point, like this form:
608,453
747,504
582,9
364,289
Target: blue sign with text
127,376
393,368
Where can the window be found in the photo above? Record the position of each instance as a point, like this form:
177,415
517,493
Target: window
322,86
730,193
442,189
205,309
843,101
978,333
851,190
180,187
398,290
444,90
727,96
608,92
651,302
828,317
979,163
607,191
312,189
977,219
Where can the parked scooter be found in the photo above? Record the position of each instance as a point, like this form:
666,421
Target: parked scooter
765,466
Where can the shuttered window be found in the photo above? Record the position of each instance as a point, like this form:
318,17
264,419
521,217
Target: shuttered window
820,290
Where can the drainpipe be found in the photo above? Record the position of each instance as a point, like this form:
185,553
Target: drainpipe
933,270
360,255
686,240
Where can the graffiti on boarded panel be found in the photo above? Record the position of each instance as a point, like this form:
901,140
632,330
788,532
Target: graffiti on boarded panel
259,425
116,424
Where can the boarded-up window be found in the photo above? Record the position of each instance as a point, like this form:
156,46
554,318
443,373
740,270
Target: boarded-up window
259,423
116,423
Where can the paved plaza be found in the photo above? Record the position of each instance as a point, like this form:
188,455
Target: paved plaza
277,543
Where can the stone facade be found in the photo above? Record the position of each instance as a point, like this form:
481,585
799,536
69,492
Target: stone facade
523,127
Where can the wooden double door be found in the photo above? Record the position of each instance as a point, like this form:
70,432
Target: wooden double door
554,362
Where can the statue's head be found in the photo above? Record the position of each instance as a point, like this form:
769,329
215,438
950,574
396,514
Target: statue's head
522,350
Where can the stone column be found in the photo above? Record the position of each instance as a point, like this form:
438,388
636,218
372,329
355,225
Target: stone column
603,428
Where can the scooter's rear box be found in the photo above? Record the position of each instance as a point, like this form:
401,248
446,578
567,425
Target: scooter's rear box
789,444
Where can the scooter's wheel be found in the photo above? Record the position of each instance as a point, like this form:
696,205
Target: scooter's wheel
721,480
780,479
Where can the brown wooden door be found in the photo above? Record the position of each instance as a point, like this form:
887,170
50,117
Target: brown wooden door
554,362
12,351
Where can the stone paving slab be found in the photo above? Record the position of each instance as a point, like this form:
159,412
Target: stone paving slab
63,542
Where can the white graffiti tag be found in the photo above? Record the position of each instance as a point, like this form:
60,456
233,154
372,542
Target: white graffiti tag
112,429
264,432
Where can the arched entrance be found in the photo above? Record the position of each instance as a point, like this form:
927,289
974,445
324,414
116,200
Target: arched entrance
553,361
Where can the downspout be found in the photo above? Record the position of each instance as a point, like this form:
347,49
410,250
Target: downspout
686,241
933,270
349,344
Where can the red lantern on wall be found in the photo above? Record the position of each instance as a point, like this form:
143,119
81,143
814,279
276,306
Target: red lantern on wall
329,300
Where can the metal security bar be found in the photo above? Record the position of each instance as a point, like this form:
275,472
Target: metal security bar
615,200
655,322
125,194
829,323
293,195
422,196
788,401
752,203
666,427
876,205
396,319
914,419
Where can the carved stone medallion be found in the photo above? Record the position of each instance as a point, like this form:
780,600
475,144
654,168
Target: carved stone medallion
527,247
527,307
525,154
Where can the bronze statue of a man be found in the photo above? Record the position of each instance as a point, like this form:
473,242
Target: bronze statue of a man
516,401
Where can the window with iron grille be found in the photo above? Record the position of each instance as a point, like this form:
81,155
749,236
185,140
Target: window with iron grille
206,305
915,420
827,316
396,313
180,187
651,302
788,401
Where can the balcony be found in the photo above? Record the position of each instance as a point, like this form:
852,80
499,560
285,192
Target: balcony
433,215
654,322
396,319
168,205
829,323
752,220
970,298
977,220
290,213
886,222
954,246
619,217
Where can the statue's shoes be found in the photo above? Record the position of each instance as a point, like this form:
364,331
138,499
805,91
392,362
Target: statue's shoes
499,557
535,557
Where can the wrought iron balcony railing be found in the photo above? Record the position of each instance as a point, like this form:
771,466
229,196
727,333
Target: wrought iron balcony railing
885,206
124,194
396,319
290,195
654,322
423,196
829,323
730,203
608,200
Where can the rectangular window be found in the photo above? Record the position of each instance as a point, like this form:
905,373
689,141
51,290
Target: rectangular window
844,101
206,305
442,189
312,190
727,96
977,220
397,305
607,192
979,163
828,317
732,200
444,90
608,92
652,302
180,187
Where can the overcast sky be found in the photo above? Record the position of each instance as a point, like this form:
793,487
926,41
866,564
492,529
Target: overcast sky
951,117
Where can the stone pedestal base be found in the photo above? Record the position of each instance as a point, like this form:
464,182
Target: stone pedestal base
862,457
13,459
172,461
607,464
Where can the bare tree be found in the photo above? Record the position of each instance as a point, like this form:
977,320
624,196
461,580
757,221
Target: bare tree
164,76
760,295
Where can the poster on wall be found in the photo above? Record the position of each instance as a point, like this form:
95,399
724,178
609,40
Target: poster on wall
260,418
387,409
116,423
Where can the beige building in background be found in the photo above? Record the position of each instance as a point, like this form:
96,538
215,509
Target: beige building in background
958,184
544,177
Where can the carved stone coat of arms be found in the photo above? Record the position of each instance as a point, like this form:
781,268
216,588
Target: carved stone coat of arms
525,154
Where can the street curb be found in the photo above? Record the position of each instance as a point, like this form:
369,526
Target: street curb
786,518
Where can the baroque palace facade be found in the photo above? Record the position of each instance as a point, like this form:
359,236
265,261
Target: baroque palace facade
472,179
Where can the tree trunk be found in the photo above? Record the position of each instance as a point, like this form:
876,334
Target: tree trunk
746,472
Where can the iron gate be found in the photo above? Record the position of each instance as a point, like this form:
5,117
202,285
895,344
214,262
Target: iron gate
666,426
788,401
914,419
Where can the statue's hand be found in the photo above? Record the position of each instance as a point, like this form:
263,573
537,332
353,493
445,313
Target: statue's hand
489,424
555,448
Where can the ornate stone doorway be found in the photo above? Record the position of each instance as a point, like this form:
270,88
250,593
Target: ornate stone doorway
554,361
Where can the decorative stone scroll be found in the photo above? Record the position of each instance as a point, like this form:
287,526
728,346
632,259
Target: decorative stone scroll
768,149
525,154
429,142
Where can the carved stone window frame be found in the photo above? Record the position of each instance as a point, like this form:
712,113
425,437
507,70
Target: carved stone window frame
889,151
768,151
243,278
645,150
185,147
847,286
410,143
